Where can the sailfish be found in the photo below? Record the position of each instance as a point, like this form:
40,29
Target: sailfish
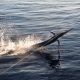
51,40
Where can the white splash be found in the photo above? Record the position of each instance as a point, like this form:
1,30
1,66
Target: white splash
18,47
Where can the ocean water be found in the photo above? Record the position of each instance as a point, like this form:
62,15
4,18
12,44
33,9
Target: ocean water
37,18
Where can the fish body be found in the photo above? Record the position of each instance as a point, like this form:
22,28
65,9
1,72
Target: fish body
51,40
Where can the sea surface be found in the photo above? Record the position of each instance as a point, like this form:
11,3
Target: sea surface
19,18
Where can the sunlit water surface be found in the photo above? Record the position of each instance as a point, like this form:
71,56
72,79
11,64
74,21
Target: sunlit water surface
29,22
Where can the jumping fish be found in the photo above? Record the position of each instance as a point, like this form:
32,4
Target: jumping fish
51,40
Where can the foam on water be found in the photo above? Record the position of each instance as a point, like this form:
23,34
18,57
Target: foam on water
19,46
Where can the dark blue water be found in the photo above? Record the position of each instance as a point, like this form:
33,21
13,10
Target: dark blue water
41,17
